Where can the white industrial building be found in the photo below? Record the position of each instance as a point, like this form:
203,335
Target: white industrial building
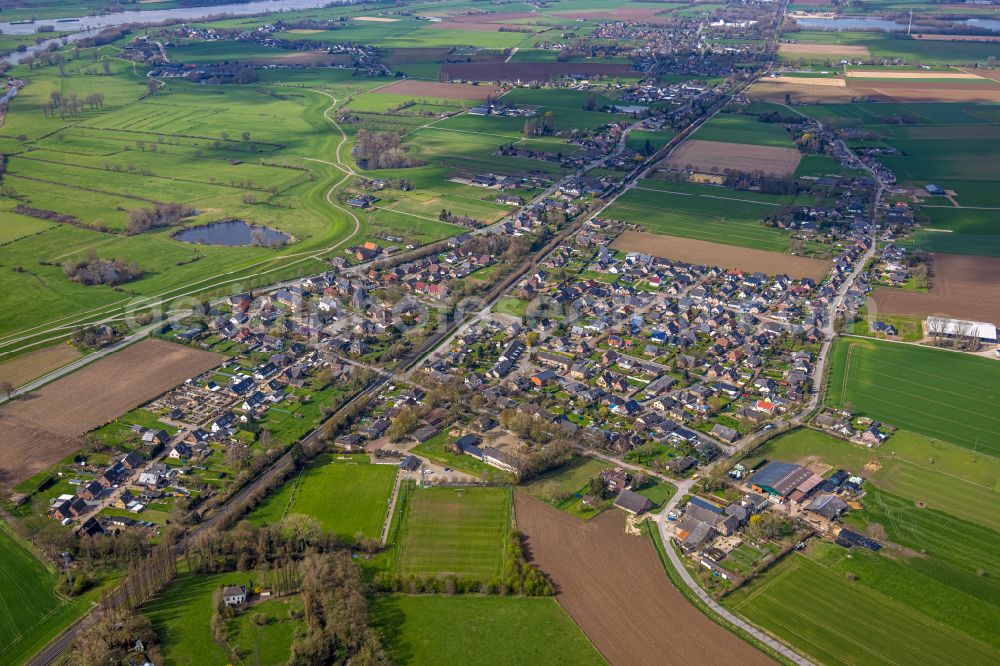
961,328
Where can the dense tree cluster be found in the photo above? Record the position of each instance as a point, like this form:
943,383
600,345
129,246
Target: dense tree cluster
93,270
163,215
381,150
336,614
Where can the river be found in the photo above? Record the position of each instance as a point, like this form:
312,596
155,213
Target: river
88,26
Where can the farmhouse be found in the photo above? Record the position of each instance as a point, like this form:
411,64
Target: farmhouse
234,595
632,502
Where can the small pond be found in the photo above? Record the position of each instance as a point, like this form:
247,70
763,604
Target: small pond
233,233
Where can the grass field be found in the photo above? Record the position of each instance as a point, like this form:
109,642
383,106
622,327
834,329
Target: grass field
493,630
883,615
459,531
345,496
181,616
743,129
561,485
940,394
709,214
31,612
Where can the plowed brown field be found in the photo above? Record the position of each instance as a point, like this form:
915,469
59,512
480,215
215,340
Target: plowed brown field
614,587
31,366
39,429
963,286
720,155
730,257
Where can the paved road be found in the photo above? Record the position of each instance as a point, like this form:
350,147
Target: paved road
683,487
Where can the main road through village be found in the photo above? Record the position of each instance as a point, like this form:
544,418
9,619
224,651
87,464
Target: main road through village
440,338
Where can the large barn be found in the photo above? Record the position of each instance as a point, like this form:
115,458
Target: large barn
951,328
785,481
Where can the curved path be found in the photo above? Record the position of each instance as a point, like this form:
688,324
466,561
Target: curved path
115,311
683,487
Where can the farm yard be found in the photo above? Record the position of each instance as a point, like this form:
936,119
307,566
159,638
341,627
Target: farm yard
959,482
43,427
345,494
181,617
714,254
937,393
460,531
422,630
964,286
613,586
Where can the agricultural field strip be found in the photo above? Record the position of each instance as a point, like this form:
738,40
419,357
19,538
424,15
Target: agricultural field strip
818,602
707,196
732,229
136,175
505,137
890,367
943,538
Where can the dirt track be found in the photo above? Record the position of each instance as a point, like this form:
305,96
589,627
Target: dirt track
614,587
720,155
962,286
694,251
39,429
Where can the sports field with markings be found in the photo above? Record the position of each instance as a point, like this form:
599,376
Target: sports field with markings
459,531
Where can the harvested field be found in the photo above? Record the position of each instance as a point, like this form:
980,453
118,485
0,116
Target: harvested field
847,50
809,81
897,91
962,286
913,74
436,90
614,587
31,366
41,428
724,256
375,19
707,155
529,71
957,38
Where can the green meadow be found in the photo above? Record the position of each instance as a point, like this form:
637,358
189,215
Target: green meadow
743,129
945,395
727,217
346,496
489,630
